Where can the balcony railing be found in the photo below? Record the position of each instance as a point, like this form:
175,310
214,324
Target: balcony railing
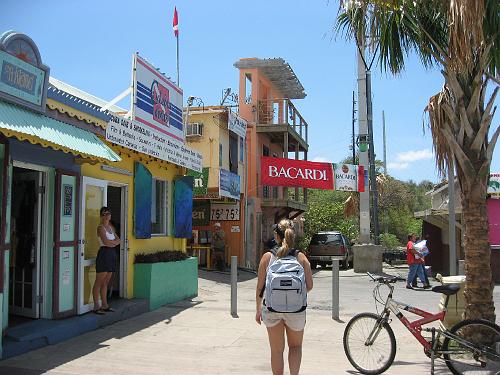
298,195
281,112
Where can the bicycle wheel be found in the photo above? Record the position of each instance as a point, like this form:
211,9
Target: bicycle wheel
476,350
374,358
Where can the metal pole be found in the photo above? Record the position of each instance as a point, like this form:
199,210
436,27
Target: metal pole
373,176
335,288
178,82
385,149
451,218
234,280
353,131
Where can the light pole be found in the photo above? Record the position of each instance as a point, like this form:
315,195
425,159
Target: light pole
363,67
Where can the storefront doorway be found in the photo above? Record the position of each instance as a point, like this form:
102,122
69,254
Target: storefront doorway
28,211
96,194
117,202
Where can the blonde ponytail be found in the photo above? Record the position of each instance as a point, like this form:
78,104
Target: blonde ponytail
286,227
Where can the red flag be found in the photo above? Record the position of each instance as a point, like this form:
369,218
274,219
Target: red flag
175,23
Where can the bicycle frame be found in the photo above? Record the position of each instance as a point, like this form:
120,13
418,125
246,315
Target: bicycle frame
415,327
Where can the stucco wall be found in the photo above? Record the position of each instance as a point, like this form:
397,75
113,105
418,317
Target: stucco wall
159,169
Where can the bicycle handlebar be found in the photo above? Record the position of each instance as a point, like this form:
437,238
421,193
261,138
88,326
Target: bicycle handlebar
390,279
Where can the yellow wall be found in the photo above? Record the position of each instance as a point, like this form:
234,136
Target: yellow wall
215,131
159,169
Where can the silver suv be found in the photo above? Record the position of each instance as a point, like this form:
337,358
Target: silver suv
326,244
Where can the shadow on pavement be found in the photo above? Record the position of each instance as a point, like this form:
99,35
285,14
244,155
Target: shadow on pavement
224,277
70,350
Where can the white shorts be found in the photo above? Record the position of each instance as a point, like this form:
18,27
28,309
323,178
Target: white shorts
294,321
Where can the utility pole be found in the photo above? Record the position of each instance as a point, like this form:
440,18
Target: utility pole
353,131
385,144
373,175
364,197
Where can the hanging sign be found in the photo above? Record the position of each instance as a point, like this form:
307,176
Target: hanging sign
138,137
349,177
23,77
308,174
237,125
229,184
223,212
157,102
494,184
298,173
200,187
201,213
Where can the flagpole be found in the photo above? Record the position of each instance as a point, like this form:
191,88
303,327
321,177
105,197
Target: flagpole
178,82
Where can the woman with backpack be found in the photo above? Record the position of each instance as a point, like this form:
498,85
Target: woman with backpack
284,278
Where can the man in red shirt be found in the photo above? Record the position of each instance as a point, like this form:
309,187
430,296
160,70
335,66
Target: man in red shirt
413,263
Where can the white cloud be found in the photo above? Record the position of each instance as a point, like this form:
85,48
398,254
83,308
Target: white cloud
396,165
404,159
411,156
320,159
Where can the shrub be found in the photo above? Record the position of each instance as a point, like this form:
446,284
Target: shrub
389,241
161,256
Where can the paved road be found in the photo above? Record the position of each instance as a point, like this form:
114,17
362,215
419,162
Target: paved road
200,336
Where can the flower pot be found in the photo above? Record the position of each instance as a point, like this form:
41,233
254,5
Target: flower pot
166,282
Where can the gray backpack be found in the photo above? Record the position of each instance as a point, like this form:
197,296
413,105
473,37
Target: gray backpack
285,287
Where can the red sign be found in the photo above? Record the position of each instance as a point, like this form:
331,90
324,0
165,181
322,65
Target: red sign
291,172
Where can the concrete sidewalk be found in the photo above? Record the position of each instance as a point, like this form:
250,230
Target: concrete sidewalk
201,337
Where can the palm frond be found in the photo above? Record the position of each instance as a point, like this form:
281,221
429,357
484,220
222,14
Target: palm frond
466,20
351,206
438,119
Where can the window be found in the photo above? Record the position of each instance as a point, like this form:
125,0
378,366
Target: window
266,190
194,129
159,207
248,88
242,150
265,151
220,154
326,239
233,153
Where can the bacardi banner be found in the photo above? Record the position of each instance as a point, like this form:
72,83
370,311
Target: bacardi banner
349,177
308,174
299,173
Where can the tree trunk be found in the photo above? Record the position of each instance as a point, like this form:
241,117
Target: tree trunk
479,286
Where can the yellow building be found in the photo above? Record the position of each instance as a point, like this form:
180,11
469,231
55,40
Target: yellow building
112,185
223,149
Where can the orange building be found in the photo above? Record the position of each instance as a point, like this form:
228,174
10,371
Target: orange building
277,129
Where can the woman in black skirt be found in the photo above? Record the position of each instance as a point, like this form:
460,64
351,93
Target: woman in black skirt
105,262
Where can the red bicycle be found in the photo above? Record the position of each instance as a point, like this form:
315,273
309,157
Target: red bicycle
470,346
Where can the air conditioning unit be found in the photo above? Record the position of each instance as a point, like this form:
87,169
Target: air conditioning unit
194,129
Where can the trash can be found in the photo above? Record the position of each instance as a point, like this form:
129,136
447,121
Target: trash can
456,303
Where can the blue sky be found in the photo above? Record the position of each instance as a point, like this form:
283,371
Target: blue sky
89,44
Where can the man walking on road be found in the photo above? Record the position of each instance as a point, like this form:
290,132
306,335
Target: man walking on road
413,263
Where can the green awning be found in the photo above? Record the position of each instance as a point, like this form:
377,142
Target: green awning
48,132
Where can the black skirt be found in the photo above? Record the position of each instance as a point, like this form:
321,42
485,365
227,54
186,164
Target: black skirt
106,259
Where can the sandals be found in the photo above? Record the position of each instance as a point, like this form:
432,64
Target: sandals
108,309
99,312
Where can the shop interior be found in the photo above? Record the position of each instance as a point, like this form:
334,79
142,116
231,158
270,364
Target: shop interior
26,230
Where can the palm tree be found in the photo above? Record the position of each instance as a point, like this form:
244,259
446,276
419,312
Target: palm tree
462,38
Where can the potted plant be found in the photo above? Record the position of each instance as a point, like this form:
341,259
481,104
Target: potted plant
165,277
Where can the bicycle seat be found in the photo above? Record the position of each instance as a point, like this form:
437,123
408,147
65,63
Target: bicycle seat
447,290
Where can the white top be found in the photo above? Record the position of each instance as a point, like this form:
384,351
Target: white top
109,235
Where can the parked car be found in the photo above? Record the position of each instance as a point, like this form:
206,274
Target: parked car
326,244
397,255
